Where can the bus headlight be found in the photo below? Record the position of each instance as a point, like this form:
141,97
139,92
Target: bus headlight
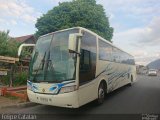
67,89
29,86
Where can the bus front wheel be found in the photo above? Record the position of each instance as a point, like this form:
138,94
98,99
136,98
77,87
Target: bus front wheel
101,93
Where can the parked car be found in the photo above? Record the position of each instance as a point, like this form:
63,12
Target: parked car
152,72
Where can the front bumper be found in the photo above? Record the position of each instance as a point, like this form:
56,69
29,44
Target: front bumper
69,100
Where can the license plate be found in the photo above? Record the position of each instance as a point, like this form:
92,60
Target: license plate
43,99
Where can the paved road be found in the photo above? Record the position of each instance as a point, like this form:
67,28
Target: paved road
141,97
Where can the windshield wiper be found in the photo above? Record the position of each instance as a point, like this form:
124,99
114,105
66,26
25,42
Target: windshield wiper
42,63
49,63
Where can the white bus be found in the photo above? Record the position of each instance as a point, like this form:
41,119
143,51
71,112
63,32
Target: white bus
75,66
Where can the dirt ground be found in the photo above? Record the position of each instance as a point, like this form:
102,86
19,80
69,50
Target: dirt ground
8,100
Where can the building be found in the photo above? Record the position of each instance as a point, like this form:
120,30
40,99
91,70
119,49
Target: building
28,39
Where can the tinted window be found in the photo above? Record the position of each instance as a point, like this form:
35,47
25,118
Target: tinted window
85,64
116,55
113,54
105,51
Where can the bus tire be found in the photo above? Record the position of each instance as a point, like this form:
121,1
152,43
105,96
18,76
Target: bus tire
101,93
130,84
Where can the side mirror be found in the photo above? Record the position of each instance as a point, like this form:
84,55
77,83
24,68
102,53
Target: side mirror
24,45
73,41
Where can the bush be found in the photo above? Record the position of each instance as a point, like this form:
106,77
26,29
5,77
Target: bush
9,47
19,79
5,80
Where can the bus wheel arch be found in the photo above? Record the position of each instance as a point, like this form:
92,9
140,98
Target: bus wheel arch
102,90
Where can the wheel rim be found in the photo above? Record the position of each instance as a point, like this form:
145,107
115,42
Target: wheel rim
101,94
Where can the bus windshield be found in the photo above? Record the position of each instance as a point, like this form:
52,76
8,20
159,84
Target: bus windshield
51,60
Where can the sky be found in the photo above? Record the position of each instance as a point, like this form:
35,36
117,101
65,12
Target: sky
136,23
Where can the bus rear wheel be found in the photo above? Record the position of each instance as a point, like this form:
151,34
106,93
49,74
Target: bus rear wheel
101,93
130,84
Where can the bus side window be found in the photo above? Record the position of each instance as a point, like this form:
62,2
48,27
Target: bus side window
85,62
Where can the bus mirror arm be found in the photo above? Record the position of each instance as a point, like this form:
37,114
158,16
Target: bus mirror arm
78,53
24,45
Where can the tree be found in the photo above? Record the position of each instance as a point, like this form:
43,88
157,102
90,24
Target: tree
8,46
83,13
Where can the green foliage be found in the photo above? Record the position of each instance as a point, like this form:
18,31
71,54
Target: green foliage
8,46
5,80
26,52
83,13
20,78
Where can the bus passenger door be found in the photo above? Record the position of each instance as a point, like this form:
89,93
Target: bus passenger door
87,69
86,78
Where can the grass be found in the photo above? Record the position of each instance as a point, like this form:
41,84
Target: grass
12,97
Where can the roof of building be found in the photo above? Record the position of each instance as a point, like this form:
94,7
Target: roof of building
23,38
